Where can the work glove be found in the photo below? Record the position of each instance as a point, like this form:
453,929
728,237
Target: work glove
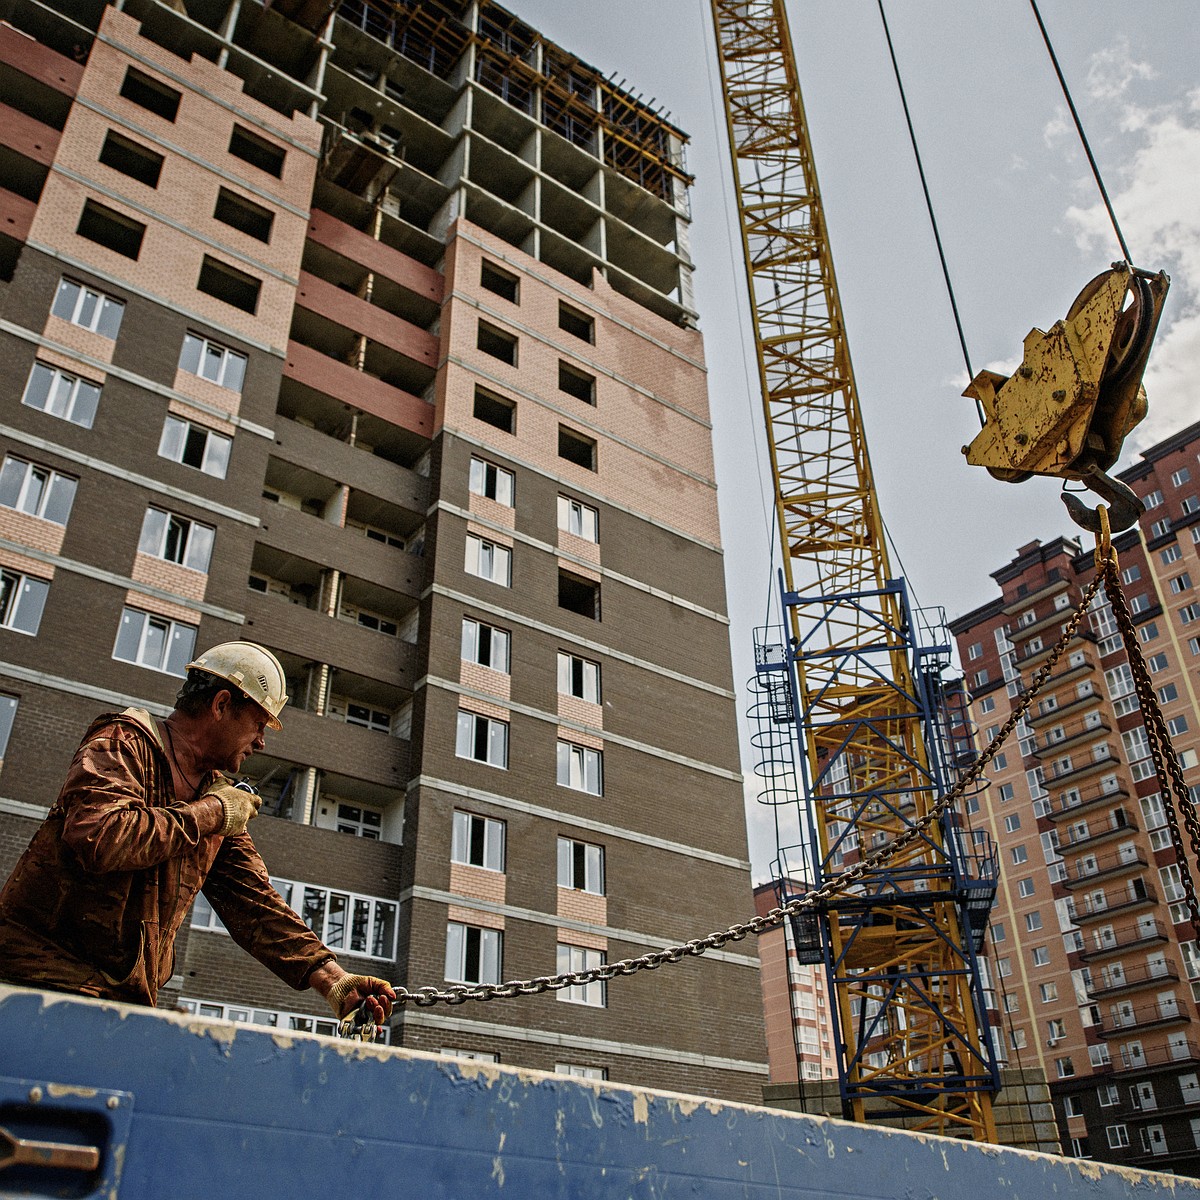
238,805
350,991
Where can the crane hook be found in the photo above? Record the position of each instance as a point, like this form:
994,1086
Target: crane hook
1124,507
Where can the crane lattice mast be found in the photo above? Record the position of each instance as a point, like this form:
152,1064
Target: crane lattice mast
862,698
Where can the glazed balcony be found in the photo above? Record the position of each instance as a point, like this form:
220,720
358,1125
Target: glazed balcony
1147,932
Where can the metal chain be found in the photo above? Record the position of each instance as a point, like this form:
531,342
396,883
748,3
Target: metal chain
1166,762
426,997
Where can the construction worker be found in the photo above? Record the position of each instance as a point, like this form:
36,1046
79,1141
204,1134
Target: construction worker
145,820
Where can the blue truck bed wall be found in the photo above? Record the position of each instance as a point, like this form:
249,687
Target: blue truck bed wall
181,1108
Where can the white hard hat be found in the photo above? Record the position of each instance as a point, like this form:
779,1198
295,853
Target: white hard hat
253,670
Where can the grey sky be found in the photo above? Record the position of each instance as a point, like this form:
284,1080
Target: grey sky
1020,223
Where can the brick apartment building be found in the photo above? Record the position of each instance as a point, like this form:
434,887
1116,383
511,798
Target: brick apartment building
366,332
1094,960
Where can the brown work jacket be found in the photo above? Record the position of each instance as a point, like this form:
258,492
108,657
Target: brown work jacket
95,902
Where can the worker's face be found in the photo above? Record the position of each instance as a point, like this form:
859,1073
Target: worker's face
238,731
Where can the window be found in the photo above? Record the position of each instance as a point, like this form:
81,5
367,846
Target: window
35,490
576,383
1171,554
195,446
1187,614
107,227
154,642
579,595
1148,632
59,394
1152,499
131,159
1006,793
1118,1136
1180,477
987,704
1189,1088
1139,603
1065,1067
1025,888
999,933
1073,1106
581,768
974,651
580,866
151,95
485,645
228,284
1040,955
981,677
1100,1056
357,924
1130,574
579,519
578,677
1156,662
483,739
576,323
577,448
1160,529
488,560
491,481
1189,505
243,215
1017,1039
1003,967
495,410
1013,821
477,841
361,715
1168,693
1177,726
22,599
473,955
176,539
1108,1095
360,822
1048,992
580,1072
497,280
1181,583
87,308
578,958
497,343
1033,921
257,151
219,364
1019,855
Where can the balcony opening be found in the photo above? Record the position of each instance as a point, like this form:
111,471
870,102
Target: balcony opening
232,286
107,227
150,94
576,383
131,159
495,410
251,219
497,343
576,448
258,152
579,595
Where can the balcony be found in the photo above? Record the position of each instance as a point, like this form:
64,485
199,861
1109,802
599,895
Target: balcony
1083,770
1173,1054
1084,734
1090,869
1127,1018
1042,592
1039,717
1114,982
1087,802
358,389
1034,658
335,746
1135,895
1147,932
1119,822
47,69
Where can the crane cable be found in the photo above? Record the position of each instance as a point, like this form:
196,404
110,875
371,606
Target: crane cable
962,341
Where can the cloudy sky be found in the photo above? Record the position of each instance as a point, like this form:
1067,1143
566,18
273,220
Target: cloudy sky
1021,221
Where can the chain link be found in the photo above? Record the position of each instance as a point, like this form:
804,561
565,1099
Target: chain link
1166,762
426,997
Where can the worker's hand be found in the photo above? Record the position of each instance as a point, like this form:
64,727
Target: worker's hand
238,806
349,991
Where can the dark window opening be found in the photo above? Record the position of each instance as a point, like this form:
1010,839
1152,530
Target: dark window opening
495,410
576,323
148,93
497,343
576,383
232,286
576,448
109,228
131,159
258,152
241,214
579,595
498,281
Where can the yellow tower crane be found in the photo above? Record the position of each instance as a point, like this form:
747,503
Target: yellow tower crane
900,945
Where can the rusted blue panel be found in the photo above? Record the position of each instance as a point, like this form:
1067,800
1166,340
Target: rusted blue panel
215,1109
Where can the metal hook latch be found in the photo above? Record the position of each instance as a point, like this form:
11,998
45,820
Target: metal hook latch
1124,507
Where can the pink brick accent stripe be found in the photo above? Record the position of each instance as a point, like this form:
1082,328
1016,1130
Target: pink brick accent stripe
39,62
474,916
363,249
477,883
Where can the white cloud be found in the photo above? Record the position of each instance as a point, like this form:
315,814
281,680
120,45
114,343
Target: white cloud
1113,70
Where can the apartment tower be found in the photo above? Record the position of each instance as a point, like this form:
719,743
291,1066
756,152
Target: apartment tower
1093,953
365,331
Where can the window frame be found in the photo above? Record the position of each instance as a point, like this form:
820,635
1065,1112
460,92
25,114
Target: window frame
196,353
53,486
22,601
103,306
82,400
583,764
171,630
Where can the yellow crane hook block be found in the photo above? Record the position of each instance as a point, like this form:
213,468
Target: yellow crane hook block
1078,391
